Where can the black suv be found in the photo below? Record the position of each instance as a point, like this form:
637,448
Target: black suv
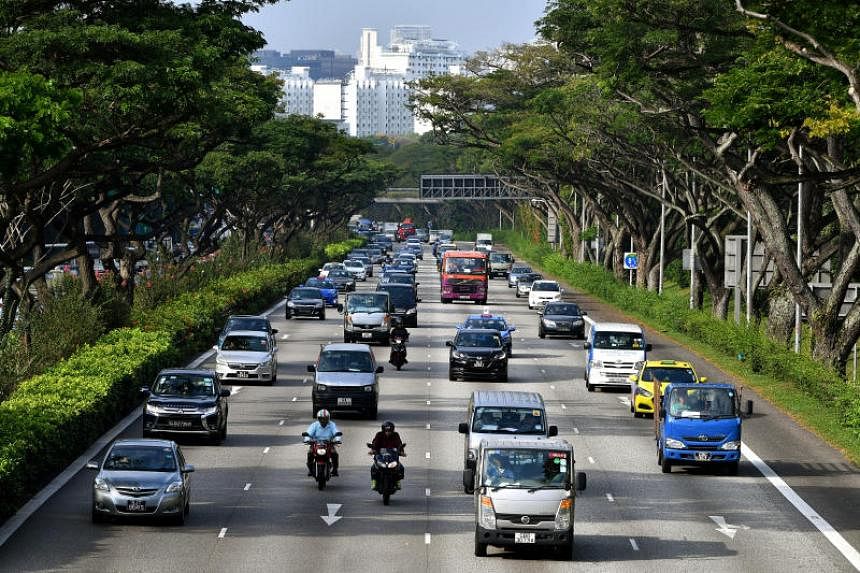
305,301
186,402
477,353
405,301
562,318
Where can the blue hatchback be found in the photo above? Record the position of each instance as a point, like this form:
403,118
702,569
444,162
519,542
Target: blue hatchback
494,321
329,291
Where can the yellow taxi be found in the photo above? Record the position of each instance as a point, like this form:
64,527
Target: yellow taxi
667,372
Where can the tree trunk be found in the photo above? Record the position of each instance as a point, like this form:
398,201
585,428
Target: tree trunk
780,323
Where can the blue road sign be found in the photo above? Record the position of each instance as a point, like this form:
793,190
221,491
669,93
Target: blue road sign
631,261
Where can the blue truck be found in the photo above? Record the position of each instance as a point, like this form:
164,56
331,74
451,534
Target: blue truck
700,424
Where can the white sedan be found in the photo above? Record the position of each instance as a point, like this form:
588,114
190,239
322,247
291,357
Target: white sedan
246,355
356,269
543,292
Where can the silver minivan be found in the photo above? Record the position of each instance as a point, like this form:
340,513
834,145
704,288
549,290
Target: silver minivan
497,414
525,495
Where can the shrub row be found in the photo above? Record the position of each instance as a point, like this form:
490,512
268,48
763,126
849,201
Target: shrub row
671,312
51,418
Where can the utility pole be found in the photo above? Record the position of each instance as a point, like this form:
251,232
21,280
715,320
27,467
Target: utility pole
799,246
662,227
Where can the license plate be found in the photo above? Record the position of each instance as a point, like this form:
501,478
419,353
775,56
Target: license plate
703,456
524,537
479,363
136,506
179,423
367,335
465,296
242,374
344,401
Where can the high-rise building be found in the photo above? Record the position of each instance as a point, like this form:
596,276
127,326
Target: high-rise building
321,64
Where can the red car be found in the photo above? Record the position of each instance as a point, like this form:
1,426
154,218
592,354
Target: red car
405,230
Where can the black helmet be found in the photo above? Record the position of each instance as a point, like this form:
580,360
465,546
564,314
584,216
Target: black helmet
387,425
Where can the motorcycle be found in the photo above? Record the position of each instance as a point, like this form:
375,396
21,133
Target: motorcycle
321,455
388,471
398,352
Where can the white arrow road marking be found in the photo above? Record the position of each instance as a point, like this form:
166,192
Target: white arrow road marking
610,497
427,492
294,398
331,518
429,383
726,528
428,426
222,533
551,387
563,407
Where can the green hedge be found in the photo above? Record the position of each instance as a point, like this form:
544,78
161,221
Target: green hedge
671,312
51,418
337,251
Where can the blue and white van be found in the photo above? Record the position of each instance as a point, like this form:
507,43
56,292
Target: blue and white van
612,351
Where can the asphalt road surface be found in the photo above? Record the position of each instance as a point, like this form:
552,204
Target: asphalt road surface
254,509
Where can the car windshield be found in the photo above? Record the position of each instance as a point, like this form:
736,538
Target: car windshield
332,266
545,286
520,270
527,279
468,339
526,469
298,293
140,459
399,279
466,265
367,303
319,283
562,310
505,420
344,361
247,323
618,340
486,322
702,402
339,274
245,343
673,375
402,297
500,257
184,385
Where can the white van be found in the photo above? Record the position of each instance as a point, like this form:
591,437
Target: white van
525,494
484,242
612,351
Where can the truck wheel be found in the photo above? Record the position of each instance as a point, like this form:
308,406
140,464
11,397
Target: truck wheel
287,315
665,464
566,551
541,333
588,386
480,548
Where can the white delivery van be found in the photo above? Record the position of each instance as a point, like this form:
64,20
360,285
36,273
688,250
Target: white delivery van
613,350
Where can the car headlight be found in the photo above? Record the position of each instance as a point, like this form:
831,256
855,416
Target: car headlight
220,360
209,411
500,355
320,451
472,454
549,323
318,304
732,445
675,444
643,392
563,515
349,322
153,409
459,355
487,515
577,321
291,304
368,388
174,487
101,484
596,364
392,464
322,388
412,311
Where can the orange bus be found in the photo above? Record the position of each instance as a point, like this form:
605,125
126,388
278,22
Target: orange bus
464,276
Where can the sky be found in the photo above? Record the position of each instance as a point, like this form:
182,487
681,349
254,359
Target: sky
336,24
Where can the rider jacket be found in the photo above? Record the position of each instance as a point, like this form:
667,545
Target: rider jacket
318,433
381,440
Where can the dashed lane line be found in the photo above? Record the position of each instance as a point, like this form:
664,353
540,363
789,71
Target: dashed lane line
634,545
222,533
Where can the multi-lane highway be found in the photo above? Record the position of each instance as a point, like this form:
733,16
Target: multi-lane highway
254,509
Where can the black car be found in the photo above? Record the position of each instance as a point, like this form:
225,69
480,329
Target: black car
305,301
343,280
562,318
477,353
186,402
404,299
247,322
398,277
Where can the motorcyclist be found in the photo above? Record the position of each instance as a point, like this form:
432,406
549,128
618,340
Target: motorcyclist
322,430
399,331
386,438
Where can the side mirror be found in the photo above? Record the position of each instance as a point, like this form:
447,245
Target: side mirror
449,343
662,413
312,368
92,465
145,391
338,434
225,392
552,431
586,345
513,328
469,479
340,307
581,481
463,428
583,313
749,408
275,331
189,468
703,379
459,326
305,434
215,347
417,300
369,445
648,348
380,369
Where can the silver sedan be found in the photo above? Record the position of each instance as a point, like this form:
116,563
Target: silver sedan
142,478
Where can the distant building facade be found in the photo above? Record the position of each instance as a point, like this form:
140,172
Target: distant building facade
321,64
373,97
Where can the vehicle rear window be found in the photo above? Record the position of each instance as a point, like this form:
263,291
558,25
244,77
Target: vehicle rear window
508,420
184,385
245,343
618,340
140,459
468,339
344,361
673,375
562,309
297,293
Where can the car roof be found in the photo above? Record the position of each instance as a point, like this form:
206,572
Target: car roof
258,333
488,315
232,316
529,443
482,331
616,327
695,386
546,281
507,398
667,364
350,346
198,371
144,442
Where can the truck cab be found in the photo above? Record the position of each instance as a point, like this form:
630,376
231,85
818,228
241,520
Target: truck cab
612,351
700,424
525,494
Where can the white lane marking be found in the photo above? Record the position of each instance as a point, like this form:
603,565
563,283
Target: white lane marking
426,539
428,369
833,536
305,380
535,359
266,450
285,336
427,492
634,545
281,423
590,460
624,400
247,486
426,455
201,359
563,407
551,387
726,529
429,384
331,518
543,371
294,398
610,497
222,533
576,430
428,402
428,426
